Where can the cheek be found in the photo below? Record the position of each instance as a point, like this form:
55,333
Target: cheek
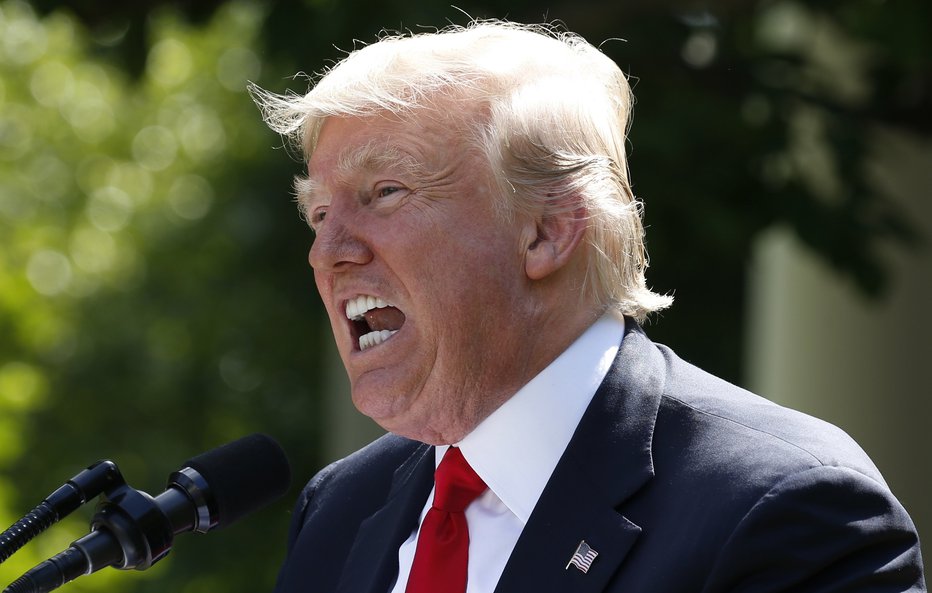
324,281
471,298
324,284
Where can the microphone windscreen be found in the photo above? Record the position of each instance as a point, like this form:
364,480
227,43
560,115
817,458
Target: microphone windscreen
243,476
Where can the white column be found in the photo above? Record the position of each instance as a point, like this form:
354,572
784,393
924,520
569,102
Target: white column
815,343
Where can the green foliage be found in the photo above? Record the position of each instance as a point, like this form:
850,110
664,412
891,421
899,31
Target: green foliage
153,289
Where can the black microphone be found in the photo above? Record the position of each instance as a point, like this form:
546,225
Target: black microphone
132,530
72,494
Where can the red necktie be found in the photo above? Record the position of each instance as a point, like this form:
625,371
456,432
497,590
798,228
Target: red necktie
442,553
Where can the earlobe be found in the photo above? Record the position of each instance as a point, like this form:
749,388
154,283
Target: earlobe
556,240
538,262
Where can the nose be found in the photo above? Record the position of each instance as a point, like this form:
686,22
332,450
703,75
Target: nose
339,244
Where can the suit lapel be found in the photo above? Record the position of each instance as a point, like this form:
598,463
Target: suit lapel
607,461
372,563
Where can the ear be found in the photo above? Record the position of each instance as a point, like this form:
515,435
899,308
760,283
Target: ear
557,238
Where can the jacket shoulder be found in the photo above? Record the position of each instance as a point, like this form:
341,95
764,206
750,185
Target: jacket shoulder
749,431
746,491
354,479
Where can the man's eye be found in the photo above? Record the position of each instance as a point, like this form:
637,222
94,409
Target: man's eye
317,217
387,191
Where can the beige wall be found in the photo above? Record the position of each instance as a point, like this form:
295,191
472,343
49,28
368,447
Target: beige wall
818,345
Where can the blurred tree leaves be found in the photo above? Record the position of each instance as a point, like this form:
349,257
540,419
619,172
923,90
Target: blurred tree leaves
154,295
149,307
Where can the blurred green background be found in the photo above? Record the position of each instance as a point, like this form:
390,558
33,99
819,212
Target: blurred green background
155,299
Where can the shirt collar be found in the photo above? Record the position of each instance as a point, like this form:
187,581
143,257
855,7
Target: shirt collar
516,448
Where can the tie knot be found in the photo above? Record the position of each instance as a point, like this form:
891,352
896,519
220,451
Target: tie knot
455,483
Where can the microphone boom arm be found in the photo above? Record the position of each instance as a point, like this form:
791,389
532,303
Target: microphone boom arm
97,478
133,530
130,530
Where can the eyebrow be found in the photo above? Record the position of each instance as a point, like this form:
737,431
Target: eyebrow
305,189
372,156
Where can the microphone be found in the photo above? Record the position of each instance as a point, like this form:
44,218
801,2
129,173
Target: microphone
78,490
132,530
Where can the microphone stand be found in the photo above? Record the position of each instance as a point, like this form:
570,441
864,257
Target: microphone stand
130,530
78,490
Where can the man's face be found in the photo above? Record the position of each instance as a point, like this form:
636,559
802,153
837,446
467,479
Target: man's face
424,285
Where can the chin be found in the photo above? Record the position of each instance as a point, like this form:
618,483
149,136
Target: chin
378,405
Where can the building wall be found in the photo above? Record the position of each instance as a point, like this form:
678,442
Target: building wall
817,344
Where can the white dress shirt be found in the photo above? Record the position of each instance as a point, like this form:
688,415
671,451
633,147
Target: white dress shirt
516,449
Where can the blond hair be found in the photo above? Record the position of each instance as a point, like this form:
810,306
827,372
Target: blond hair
549,111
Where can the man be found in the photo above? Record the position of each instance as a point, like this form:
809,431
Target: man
480,255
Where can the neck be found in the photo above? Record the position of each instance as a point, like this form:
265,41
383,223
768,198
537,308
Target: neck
553,330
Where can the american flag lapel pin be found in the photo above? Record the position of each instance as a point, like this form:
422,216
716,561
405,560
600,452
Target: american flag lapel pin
582,558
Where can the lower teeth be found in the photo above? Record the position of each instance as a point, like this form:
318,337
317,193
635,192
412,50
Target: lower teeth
374,338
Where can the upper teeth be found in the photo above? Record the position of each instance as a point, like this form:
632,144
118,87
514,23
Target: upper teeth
359,306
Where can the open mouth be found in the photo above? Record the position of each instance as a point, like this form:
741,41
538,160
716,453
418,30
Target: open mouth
372,320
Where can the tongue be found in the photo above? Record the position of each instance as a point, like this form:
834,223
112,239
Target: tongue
388,318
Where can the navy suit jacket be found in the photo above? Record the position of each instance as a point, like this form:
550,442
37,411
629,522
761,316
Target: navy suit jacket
680,481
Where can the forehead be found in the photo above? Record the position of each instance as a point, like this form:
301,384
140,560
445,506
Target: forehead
428,137
346,156
412,150
355,142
